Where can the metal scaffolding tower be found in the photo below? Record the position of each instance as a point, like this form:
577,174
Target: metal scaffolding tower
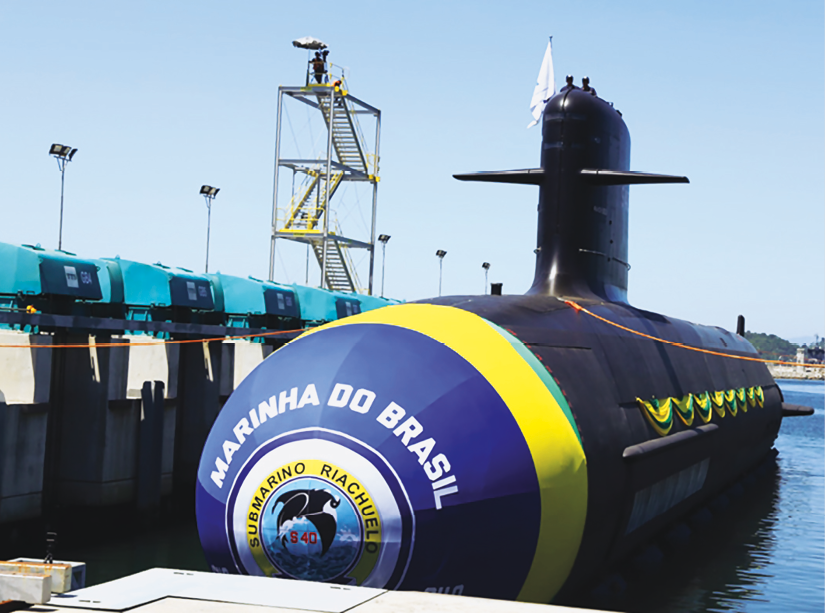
309,218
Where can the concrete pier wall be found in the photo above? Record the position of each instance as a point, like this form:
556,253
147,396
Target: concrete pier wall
197,406
25,375
239,359
100,412
71,418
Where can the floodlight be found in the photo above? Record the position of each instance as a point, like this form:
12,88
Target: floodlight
63,154
383,238
486,267
440,255
62,151
208,192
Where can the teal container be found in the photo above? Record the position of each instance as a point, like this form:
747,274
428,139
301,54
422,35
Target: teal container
154,292
319,305
19,271
253,303
159,286
369,303
50,281
31,270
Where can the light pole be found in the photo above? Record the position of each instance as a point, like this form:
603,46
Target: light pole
440,255
63,154
383,240
486,267
209,194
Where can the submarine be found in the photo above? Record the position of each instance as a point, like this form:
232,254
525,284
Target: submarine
502,446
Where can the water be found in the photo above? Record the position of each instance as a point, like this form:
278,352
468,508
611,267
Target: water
775,558
769,556
130,551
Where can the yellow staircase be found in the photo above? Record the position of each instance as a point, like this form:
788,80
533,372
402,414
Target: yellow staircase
306,212
305,219
346,134
340,274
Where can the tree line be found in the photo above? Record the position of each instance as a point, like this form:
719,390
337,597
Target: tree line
772,347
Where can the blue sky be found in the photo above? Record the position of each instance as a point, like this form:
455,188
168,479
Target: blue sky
162,97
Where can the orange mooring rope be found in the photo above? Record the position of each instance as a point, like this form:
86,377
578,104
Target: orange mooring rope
578,307
575,306
155,344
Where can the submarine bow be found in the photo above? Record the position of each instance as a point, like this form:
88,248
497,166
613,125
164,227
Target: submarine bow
418,419
497,446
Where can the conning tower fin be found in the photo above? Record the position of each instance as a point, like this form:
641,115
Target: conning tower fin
535,176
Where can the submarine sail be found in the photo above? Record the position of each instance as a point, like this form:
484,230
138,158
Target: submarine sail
583,198
499,446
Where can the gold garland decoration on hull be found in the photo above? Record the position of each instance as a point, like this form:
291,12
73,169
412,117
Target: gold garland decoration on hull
659,411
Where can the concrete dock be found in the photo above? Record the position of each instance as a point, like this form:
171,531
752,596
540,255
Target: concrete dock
159,590
99,426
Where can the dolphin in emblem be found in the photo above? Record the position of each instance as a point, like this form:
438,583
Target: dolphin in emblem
318,506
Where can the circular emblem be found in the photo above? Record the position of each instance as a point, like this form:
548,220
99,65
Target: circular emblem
326,513
314,521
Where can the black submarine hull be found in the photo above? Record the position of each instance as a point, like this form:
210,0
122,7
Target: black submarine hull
640,482
499,446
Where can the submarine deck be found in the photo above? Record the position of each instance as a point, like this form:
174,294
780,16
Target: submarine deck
161,590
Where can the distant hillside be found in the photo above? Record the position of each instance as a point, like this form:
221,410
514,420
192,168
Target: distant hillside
771,346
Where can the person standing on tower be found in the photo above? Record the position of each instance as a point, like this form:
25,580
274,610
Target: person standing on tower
318,65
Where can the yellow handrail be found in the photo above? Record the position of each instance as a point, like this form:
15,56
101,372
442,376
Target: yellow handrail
348,263
314,213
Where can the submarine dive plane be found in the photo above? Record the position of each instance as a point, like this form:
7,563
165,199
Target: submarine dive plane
499,446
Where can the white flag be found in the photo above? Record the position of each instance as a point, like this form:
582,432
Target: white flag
545,87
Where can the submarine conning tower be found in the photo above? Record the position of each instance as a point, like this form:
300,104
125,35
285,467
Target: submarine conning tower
583,184
582,226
